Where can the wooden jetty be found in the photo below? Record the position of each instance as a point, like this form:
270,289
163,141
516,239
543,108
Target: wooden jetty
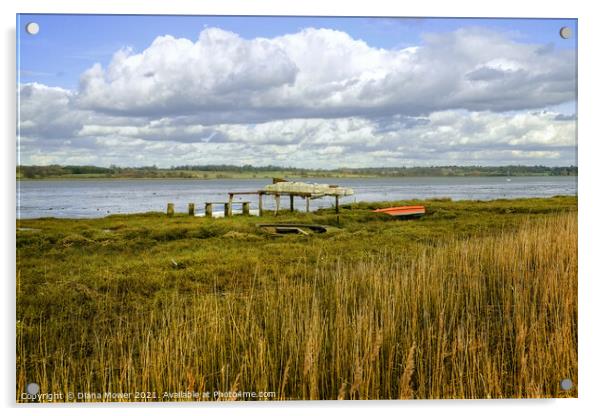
260,194
278,189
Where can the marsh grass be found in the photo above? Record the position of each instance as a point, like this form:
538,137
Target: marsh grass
483,305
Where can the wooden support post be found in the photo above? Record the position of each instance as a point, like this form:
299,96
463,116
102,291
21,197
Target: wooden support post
306,204
245,208
292,202
170,209
191,209
336,198
208,209
227,209
260,203
230,198
277,198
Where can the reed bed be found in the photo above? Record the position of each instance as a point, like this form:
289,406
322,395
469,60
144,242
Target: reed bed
493,316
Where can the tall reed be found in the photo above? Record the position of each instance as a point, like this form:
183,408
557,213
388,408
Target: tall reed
485,317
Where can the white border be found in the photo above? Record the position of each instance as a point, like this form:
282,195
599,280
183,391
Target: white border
590,243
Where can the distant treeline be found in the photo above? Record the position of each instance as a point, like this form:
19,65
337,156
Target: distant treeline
227,171
513,170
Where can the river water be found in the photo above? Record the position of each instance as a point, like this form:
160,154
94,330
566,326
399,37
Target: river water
97,198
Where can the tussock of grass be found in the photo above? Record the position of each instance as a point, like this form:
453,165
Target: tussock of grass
484,305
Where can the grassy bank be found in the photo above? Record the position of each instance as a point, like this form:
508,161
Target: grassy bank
475,300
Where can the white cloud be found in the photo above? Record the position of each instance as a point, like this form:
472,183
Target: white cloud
453,136
316,98
222,77
46,111
177,76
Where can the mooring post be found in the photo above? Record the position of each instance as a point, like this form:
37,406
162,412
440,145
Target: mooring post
191,209
292,202
306,204
227,209
245,208
336,198
170,209
277,198
230,198
208,209
260,203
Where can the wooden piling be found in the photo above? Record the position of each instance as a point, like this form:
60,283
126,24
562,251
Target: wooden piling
306,204
260,203
227,209
170,209
208,209
246,208
191,209
336,198
230,199
277,198
292,202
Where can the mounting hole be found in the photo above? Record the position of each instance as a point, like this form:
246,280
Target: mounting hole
33,388
565,32
566,384
32,28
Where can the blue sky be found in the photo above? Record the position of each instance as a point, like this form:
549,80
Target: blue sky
69,44
295,91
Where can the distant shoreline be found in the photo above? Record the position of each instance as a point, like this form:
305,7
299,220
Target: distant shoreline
292,175
113,178
210,172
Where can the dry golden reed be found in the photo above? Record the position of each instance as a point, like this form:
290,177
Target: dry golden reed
482,317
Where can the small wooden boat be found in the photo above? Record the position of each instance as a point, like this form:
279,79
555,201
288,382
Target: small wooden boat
295,228
404,211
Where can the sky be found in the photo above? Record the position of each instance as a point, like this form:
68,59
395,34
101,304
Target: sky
295,91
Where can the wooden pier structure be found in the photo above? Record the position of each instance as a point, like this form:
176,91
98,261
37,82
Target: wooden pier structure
246,205
277,195
301,191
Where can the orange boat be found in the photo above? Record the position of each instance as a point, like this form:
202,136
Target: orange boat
405,211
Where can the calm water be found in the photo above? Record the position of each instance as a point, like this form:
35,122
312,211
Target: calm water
96,198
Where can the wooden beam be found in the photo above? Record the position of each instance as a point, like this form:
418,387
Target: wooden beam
336,198
277,198
208,209
306,204
292,197
245,193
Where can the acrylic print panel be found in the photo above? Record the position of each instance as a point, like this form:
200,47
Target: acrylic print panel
295,208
